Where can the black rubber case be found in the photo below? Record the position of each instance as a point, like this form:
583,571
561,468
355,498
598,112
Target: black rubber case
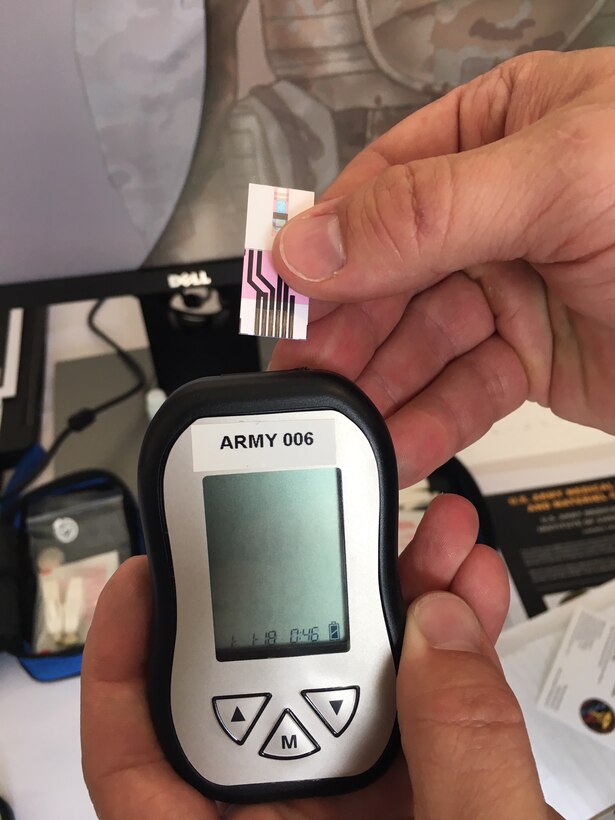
239,395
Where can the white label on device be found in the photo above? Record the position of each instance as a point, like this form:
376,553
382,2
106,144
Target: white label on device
262,445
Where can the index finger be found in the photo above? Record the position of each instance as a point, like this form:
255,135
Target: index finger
431,131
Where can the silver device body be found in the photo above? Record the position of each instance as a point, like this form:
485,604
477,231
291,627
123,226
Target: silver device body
365,673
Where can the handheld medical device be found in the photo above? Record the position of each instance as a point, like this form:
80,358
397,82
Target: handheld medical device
269,504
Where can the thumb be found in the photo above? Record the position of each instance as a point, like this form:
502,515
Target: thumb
463,734
415,223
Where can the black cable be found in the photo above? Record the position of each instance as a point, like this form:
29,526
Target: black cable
87,415
129,361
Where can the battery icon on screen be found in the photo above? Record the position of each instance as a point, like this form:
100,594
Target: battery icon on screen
334,631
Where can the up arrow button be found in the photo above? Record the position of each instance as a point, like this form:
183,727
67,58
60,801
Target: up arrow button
335,707
237,714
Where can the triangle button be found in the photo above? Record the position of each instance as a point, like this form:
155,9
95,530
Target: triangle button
237,714
335,707
289,739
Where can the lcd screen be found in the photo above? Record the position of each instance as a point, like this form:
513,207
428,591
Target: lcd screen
277,563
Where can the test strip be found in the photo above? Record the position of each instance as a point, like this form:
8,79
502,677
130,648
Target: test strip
269,307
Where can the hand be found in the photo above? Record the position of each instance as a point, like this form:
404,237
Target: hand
462,730
465,261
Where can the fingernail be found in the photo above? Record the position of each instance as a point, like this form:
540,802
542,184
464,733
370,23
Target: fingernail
312,247
447,622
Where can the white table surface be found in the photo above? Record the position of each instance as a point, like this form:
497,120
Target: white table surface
40,758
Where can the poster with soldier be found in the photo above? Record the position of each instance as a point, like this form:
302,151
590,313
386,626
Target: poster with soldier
147,119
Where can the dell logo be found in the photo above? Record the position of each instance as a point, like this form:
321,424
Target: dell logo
188,279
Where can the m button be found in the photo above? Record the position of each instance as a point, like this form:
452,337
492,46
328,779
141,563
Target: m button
289,739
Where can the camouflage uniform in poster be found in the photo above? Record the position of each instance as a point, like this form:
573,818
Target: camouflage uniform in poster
295,88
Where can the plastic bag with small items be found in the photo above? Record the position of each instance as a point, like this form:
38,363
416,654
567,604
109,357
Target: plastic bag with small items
62,542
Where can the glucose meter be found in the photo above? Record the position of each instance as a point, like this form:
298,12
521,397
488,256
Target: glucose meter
269,504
